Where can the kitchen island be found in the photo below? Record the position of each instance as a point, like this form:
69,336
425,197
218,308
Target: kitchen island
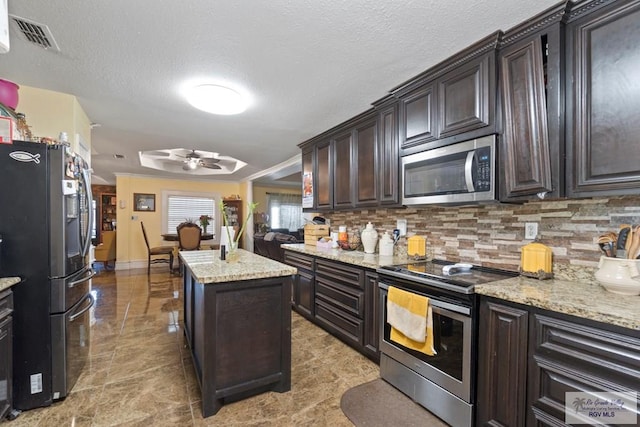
237,323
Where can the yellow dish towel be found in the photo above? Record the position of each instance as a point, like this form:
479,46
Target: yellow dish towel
411,320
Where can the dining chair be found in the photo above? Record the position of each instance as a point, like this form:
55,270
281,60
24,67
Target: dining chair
189,238
157,251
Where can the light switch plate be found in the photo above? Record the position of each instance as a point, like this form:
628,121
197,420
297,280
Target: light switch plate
530,230
401,225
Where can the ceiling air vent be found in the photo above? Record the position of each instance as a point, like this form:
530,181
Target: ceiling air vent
35,33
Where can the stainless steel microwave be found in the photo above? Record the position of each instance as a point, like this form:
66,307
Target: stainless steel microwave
460,173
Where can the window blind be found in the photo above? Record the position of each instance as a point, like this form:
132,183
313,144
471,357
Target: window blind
189,208
285,211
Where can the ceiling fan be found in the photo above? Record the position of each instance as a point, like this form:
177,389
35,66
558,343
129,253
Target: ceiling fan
193,160
190,161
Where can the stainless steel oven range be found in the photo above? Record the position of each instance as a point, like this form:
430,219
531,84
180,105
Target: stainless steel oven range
445,382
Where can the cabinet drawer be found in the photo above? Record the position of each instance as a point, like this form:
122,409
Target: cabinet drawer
298,260
339,273
571,357
6,303
599,351
343,297
337,321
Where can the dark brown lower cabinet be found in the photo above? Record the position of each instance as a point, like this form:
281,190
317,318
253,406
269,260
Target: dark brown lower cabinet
340,298
530,358
371,316
568,356
303,293
502,365
239,335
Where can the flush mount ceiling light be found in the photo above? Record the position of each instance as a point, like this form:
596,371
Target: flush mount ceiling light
216,99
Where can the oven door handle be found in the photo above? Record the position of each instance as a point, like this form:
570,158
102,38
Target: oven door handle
436,303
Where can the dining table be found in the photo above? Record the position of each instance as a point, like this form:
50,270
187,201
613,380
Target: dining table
173,237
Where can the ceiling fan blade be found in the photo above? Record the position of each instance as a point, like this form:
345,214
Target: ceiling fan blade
210,165
209,161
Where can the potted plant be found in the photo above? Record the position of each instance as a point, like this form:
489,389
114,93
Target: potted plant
204,222
225,221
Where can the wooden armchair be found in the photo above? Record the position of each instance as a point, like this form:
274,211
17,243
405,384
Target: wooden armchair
105,252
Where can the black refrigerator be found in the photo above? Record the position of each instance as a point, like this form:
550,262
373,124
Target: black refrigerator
45,221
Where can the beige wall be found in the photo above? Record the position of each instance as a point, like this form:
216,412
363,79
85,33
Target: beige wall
48,113
260,194
131,250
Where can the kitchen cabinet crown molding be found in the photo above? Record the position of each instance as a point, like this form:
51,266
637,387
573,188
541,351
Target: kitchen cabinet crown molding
543,20
331,133
586,7
477,49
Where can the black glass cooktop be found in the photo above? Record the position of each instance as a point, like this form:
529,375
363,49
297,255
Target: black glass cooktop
436,271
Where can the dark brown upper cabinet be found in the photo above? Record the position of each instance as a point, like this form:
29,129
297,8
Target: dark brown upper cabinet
343,172
323,177
388,151
418,116
465,102
531,88
452,101
366,163
346,164
603,98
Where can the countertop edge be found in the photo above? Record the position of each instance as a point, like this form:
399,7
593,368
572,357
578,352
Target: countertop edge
7,282
207,267
581,299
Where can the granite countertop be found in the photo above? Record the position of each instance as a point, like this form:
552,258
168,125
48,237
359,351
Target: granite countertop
207,267
350,257
7,282
581,297
577,298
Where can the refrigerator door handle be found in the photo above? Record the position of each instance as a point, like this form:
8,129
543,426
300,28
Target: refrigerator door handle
84,279
91,300
87,186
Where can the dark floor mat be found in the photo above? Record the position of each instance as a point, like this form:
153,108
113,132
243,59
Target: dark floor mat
378,403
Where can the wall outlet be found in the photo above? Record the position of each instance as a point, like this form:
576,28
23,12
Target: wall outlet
530,230
401,225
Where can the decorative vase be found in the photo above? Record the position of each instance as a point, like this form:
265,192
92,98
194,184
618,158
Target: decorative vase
204,229
354,240
232,253
619,275
369,238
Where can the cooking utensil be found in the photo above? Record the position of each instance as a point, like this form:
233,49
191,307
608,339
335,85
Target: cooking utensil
607,243
621,244
634,246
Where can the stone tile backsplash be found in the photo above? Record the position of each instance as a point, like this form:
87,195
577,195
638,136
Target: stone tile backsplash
492,235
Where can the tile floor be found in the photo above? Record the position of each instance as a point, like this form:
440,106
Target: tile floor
140,373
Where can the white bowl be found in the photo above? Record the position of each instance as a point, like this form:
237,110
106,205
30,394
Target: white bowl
619,275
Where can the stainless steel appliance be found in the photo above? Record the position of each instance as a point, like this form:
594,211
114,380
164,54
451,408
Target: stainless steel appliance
456,174
45,222
445,382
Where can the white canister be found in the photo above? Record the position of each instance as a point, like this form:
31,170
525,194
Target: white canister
334,239
386,245
369,237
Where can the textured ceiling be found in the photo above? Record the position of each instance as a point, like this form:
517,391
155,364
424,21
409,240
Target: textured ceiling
308,66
